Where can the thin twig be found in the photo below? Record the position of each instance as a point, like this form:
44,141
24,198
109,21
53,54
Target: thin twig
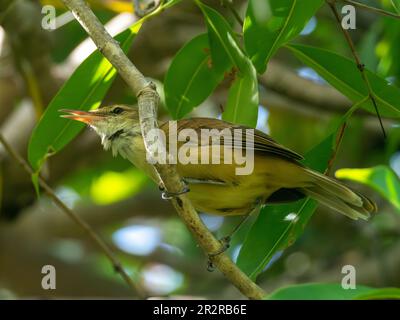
339,138
359,64
90,232
340,132
372,9
148,99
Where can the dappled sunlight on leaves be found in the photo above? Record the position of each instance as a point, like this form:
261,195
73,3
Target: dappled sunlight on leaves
381,178
115,186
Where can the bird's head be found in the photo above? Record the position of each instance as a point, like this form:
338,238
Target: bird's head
114,124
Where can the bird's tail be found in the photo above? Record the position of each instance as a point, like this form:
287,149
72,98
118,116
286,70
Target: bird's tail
338,197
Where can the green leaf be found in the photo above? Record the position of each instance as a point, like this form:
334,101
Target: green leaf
84,90
388,49
343,74
242,104
191,78
375,294
332,291
396,5
225,49
269,24
368,43
381,178
278,226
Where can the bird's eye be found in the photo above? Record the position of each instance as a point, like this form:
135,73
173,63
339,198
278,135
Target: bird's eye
117,110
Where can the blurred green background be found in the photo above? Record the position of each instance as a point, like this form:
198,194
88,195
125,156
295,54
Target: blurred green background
297,107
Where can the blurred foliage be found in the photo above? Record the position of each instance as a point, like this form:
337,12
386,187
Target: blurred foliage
222,58
112,186
97,74
380,178
113,6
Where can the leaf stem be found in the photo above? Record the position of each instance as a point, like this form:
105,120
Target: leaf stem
360,65
338,141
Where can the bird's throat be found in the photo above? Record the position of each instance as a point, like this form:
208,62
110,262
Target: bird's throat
115,135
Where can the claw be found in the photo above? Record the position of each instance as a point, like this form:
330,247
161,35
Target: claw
210,266
165,195
225,244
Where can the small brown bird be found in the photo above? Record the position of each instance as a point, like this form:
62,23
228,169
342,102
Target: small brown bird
216,188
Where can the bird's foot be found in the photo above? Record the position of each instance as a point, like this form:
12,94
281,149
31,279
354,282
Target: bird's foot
166,195
225,244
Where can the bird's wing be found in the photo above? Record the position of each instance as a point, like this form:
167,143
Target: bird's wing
262,141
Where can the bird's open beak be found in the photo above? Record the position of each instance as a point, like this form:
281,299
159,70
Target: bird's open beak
82,116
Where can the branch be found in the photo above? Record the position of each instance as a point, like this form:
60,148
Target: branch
359,64
102,245
372,9
281,79
148,101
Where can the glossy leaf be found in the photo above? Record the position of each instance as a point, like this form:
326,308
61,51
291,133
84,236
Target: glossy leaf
269,24
225,49
191,78
84,90
332,291
381,178
343,74
278,226
242,104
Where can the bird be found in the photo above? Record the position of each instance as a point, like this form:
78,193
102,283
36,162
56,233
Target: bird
277,175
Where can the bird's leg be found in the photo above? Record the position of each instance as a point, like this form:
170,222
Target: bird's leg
166,195
225,241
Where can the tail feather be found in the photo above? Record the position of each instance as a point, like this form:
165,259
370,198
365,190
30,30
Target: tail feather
338,197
